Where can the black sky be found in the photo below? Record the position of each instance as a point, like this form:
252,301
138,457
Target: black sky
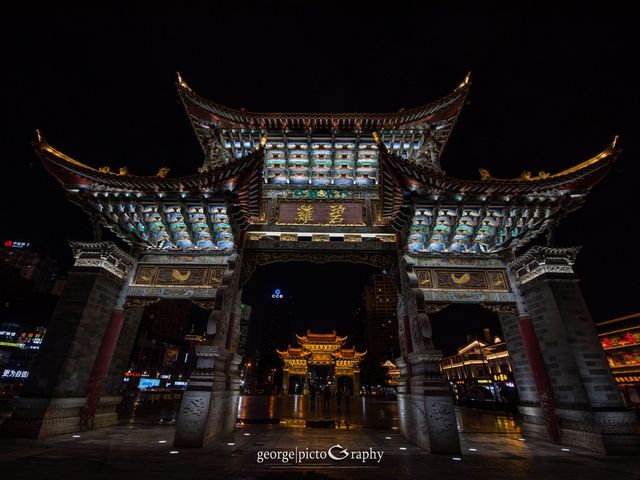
551,86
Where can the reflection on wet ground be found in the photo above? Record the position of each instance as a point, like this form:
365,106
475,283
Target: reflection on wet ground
301,411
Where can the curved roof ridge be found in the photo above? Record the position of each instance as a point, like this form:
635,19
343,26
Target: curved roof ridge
612,150
242,117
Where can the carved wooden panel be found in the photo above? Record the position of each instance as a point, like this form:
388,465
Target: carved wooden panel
146,275
178,275
460,279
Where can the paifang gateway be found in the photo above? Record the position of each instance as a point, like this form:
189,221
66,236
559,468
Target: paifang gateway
320,187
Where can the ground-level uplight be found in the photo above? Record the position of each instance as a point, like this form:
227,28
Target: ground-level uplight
403,448
457,459
473,449
387,438
231,444
247,434
173,452
75,436
566,449
162,441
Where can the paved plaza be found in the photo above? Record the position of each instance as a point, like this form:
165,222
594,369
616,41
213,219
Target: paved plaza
492,447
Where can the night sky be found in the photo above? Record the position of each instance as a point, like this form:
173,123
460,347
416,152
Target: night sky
551,87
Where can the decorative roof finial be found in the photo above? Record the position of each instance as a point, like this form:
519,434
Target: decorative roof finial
40,139
182,83
615,141
465,82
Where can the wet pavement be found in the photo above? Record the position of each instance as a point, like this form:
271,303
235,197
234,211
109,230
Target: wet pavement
289,410
300,410
492,446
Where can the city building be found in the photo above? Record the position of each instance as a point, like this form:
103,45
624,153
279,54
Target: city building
480,370
33,264
620,338
381,305
243,343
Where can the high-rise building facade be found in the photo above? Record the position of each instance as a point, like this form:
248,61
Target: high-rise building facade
245,315
380,304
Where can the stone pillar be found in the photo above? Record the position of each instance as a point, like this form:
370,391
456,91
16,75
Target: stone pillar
535,424
210,404
111,397
100,368
55,393
285,382
540,378
425,406
522,374
588,405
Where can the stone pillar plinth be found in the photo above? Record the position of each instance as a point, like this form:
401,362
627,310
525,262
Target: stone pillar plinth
425,406
55,393
588,405
209,406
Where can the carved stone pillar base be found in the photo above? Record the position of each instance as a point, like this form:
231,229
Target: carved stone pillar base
425,407
534,424
209,406
44,417
106,415
605,432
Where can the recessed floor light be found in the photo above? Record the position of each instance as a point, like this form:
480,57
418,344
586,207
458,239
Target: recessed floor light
403,448
387,438
473,449
172,452
247,434
522,439
231,444
162,441
566,449
457,459
75,436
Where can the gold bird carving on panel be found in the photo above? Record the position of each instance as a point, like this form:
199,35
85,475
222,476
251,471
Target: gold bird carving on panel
180,277
462,279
